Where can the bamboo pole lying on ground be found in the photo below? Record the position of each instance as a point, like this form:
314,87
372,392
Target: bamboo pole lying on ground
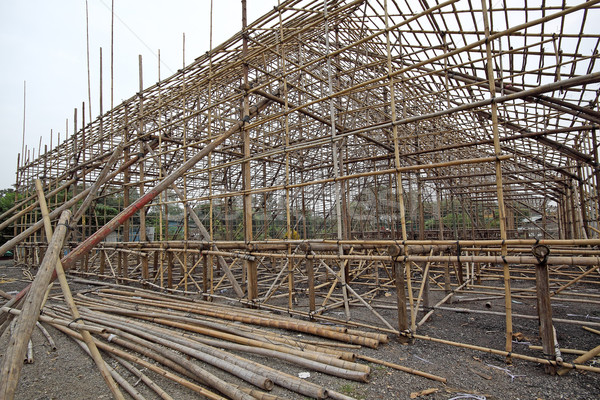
133,392
144,378
324,364
168,352
160,354
404,369
225,326
562,350
250,344
580,360
270,322
152,367
46,335
503,353
597,332
13,359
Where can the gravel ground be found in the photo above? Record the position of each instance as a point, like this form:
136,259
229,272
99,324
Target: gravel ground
68,374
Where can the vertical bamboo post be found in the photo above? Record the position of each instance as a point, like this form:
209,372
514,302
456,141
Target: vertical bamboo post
394,251
125,264
426,301
211,274
145,272
102,261
169,269
119,264
499,189
400,190
204,273
542,284
401,300
142,228
447,284
336,169
251,266
310,272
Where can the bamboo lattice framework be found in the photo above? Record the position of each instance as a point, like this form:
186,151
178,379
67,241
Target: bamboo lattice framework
345,127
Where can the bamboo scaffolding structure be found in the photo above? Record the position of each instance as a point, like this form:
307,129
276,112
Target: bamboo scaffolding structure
332,152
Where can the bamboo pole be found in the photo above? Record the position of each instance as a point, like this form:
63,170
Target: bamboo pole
505,353
152,367
403,369
580,360
544,306
144,378
106,373
146,336
13,358
100,180
129,388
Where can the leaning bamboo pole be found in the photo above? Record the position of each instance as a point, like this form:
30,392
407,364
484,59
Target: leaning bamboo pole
129,388
580,360
12,363
106,373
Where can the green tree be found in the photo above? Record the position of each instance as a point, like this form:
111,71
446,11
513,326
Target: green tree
7,201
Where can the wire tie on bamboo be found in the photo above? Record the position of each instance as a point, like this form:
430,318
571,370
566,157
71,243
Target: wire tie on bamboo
74,321
541,253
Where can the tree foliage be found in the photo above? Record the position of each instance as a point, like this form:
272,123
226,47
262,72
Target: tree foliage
7,201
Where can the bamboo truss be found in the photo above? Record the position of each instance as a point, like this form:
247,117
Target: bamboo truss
334,151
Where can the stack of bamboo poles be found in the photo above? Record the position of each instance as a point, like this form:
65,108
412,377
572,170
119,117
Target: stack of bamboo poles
188,339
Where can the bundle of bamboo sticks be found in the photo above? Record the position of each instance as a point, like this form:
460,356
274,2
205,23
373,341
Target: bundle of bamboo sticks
189,340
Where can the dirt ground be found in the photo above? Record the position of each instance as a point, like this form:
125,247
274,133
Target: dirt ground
68,374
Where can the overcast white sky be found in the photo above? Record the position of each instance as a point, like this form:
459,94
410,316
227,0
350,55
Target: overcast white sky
44,43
